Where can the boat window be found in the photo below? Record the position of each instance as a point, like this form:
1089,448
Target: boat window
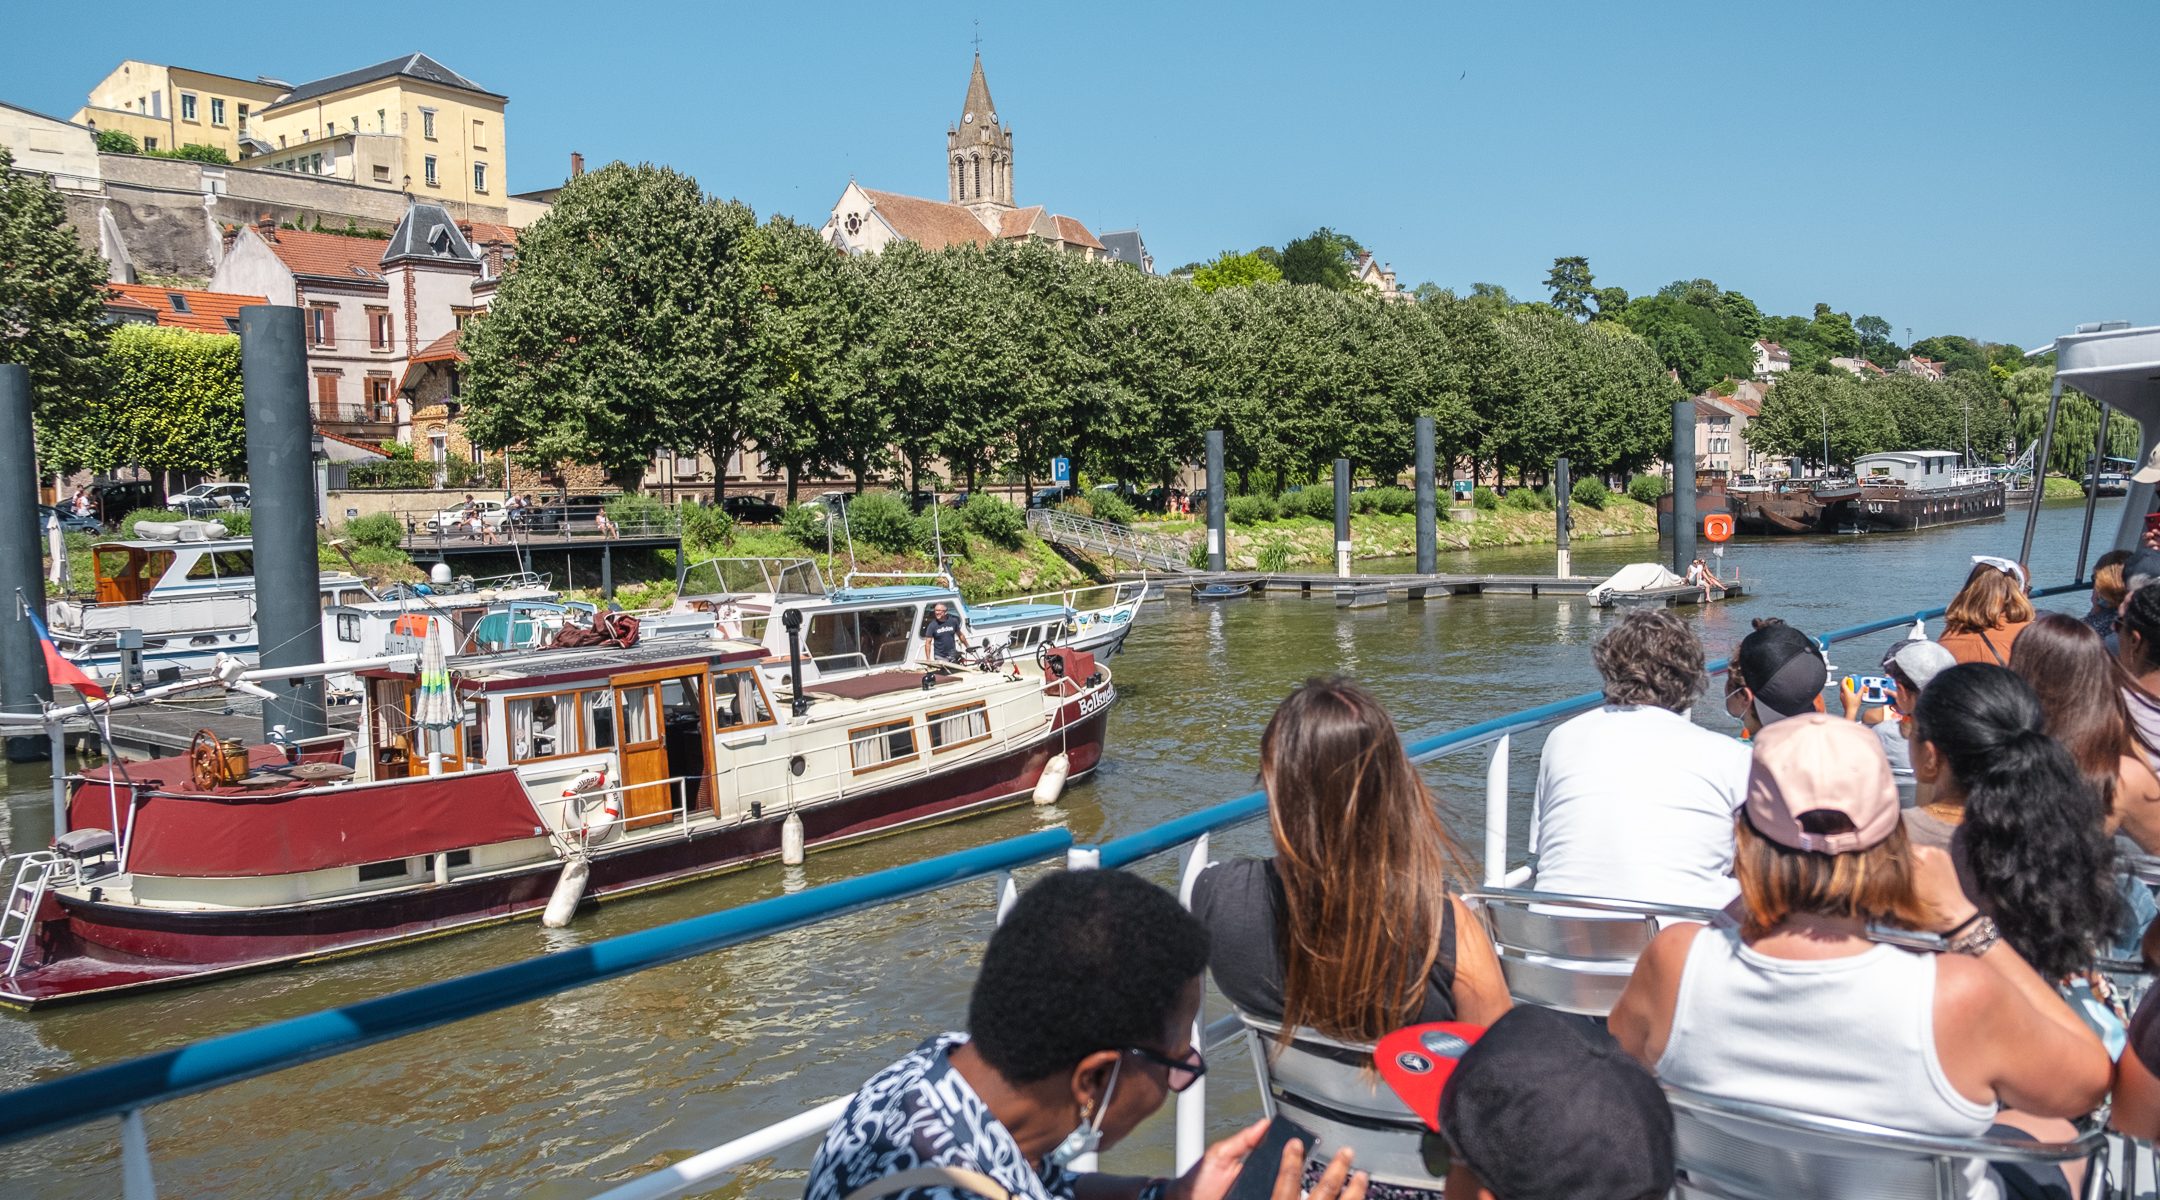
475,718
538,730
348,627
875,746
739,701
396,868
955,727
599,720
880,635
638,722
458,858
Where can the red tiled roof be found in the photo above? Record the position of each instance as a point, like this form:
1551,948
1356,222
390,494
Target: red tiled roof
1019,222
484,232
931,224
206,312
442,349
374,448
1073,233
329,255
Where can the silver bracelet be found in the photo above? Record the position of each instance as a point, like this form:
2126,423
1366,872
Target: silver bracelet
1976,938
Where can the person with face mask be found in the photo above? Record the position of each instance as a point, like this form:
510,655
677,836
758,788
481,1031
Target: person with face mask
1079,1028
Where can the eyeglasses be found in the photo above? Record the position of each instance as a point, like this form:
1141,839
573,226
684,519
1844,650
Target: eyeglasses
1179,1073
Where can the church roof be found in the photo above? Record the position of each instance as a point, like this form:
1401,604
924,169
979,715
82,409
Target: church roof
931,224
1073,233
978,98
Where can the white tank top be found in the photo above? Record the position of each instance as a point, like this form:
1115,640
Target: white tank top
1842,1037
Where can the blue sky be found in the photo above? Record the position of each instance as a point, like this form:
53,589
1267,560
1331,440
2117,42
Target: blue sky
1972,167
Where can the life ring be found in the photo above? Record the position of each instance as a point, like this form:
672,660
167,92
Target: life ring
596,822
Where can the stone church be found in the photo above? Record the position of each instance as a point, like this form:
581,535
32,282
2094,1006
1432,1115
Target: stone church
979,206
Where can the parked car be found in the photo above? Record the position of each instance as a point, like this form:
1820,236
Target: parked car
755,510
561,514
206,499
958,499
457,519
1124,490
834,503
117,498
70,520
1049,497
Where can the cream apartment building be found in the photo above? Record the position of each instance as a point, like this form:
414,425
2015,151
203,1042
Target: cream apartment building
165,108
409,124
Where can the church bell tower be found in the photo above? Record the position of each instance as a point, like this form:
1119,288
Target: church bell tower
978,153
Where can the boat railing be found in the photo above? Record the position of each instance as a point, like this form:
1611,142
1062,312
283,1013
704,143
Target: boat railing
1079,599
127,1090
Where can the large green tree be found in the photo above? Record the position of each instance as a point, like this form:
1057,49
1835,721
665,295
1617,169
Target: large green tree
171,403
52,293
808,312
626,329
1572,286
1321,258
1230,269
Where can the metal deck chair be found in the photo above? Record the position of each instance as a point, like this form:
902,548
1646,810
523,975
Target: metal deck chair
1736,1150
1332,1088
1571,953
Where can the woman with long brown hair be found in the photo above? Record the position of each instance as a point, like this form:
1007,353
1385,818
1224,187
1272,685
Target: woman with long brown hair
1351,928
1988,612
2081,695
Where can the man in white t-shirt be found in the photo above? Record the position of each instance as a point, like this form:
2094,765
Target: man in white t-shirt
1635,801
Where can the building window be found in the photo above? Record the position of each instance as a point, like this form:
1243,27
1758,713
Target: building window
149,143
378,328
380,406
333,129
382,121
382,173
429,163
326,397
427,123
479,135
217,110
187,106
462,315
479,177
315,163
243,118
178,301
322,325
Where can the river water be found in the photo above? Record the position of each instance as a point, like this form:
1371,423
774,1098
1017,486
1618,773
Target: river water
565,1096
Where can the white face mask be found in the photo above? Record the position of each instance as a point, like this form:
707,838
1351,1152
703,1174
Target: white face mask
1086,1137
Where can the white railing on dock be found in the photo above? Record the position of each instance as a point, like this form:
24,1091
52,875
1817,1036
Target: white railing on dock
127,1089
1155,551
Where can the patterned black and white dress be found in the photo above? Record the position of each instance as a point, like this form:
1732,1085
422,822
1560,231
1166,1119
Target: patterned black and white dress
919,1112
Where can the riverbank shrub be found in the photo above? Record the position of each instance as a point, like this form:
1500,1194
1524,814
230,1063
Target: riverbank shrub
1251,510
995,519
705,524
1646,488
1484,499
1196,558
1274,558
1315,502
805,525
1521,499
1111,507
382,531
635,511
1394,501
1590,492
882,519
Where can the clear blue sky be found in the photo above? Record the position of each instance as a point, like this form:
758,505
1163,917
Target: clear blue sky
1972,167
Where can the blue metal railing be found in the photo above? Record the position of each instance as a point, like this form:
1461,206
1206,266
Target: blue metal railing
125,1088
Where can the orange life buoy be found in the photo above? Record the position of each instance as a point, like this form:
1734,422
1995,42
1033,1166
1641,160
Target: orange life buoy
1717,526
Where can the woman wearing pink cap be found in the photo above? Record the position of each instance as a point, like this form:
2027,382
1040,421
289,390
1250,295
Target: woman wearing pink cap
1795,1006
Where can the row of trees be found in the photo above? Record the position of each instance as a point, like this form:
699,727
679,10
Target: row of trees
644,314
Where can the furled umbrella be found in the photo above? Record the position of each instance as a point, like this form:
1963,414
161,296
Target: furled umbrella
434,707
56,546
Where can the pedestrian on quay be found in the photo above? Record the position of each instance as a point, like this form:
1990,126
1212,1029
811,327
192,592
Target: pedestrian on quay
1988,612
1080,1026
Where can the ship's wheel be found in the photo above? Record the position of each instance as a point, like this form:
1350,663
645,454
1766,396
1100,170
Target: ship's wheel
206,760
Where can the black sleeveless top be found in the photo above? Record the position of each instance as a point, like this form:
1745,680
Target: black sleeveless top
1242,904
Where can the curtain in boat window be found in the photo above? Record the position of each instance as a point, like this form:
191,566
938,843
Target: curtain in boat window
738,701
881,745
639,724
599,720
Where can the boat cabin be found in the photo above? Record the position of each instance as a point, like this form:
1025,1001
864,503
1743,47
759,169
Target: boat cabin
1915,469
132,572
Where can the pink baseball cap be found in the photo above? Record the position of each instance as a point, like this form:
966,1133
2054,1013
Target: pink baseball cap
1818,763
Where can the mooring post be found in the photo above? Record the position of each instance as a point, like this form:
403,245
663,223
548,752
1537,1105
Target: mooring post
1683,486
1427,500
281,477
1562,496
22,564
607,572
1342,518
1218,543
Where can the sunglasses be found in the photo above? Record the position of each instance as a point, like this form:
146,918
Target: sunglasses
1179,1074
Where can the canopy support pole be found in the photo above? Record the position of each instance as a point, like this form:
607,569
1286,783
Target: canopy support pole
2040,461
2092,493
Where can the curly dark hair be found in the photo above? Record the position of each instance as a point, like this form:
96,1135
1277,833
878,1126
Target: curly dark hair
1085,961
2035,832
2141,616
1651,657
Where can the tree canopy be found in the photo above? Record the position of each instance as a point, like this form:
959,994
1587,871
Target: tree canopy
172,402
52,293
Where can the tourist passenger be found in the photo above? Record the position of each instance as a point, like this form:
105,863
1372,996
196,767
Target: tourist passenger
1911,664
1634,800
1079,1027
2109,588
2024,830
2081,697
1548,1107
1351,927
2137,651
1794,1005
1988,613
1776,672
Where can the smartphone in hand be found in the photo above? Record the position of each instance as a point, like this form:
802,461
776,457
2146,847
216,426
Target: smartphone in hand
1256,1179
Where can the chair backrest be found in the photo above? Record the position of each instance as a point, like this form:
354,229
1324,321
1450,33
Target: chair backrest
1571,953
1736,1150
1332,1088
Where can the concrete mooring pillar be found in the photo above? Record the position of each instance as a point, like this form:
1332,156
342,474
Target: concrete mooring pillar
22,565
1218,544
1342,518
1428,514
1683,486
281,476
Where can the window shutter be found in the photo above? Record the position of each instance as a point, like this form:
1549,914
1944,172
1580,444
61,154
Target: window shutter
326,397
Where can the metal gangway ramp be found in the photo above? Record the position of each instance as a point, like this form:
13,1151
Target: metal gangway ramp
1153,551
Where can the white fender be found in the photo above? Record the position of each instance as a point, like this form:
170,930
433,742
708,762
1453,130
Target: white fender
569,889
791,840
1052,783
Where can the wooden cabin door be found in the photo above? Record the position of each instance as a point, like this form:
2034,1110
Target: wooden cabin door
646,705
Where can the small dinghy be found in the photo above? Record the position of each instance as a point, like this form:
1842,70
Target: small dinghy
1221,591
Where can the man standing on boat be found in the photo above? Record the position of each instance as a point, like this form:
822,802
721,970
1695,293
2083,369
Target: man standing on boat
941,634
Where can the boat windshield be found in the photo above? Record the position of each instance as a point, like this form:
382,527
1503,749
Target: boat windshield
871,637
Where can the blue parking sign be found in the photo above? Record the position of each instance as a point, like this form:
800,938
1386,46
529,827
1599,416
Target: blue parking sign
1061,470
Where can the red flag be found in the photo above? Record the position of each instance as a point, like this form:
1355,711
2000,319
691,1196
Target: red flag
59,669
